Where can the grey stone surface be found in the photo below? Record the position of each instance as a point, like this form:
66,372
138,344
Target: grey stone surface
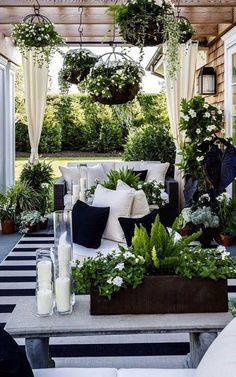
25,323
7,243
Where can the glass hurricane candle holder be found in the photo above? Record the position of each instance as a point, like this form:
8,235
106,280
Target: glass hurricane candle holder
62,236
44,301
44,269
63,288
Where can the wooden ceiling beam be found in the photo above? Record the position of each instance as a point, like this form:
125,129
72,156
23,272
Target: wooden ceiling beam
208,15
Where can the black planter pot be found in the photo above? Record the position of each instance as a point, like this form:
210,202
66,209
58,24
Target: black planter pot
206,237
124,95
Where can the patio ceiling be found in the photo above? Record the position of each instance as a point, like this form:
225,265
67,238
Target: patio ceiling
210,18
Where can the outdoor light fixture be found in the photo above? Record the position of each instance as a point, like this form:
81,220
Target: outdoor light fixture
207,81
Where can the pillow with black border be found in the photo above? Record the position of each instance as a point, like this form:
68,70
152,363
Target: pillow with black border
128,224
88,224
13,361
142,174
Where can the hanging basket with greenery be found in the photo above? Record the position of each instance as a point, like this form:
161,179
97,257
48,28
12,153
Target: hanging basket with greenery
76,67
114,82
150,23
36,33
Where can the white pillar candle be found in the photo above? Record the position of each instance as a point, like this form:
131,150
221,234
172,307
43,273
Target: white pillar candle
44,301
75,197
44,273
64,269
82,184
62,290
64,252
82,196
76,190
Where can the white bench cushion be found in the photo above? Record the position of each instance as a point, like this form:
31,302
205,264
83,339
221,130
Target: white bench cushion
156,372
75,372
81,252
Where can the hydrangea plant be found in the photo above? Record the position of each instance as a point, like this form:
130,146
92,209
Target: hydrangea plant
40,37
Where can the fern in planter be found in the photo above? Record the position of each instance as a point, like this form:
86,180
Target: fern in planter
125,175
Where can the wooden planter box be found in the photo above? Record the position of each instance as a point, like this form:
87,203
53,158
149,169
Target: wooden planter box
165,294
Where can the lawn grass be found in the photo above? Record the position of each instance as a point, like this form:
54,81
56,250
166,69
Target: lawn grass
56,162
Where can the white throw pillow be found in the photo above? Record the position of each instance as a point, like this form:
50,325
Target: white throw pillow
156,171
70,175
140,205
94,173
120,203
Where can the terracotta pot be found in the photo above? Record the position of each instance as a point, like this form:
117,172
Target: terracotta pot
187,230
164,294
8,226
226,239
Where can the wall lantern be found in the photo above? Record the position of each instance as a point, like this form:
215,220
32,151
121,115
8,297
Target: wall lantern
207,81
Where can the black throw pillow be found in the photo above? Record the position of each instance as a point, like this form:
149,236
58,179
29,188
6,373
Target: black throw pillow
88,224
141,174
13,361
128,224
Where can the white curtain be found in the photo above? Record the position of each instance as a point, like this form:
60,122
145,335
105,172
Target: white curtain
181,87
35,89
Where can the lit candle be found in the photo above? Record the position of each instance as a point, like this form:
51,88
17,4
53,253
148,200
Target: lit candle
64,252
44,301
83,183
44,273
62,290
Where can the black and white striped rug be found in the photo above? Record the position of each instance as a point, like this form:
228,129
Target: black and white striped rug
17,279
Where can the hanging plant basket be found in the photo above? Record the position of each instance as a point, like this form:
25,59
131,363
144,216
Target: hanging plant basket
113,82
36,33
186,30
76,67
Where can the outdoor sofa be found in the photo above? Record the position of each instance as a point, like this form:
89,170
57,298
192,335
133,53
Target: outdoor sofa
218,361
168,213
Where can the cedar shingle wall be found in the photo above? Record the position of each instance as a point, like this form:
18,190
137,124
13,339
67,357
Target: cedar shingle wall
216,60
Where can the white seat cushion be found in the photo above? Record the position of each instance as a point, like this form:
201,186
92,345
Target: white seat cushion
75,372
93,173
70,175
81,252
220,358
140,205
120,203
156,372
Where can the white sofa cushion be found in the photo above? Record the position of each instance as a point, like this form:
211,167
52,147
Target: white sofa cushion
220,358
81,252
140,205
156,171
120,203
156,372
75,372
93,173
128,165
70,175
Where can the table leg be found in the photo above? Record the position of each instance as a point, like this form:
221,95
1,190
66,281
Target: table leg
199,343
37,351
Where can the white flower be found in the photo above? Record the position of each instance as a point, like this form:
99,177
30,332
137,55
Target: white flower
128,254
73,263
205,105
192,113
205,196
186,118
109,281
211,127
207,115
118,281
200,158
221,249
219,112
224,196
139,186
120,266
198,131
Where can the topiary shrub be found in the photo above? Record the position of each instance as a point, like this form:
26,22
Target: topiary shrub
50,141
22,137
150,142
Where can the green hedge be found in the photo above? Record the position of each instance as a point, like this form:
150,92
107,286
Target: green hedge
75,122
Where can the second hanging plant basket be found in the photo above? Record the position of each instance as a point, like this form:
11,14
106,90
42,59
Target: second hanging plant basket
115,79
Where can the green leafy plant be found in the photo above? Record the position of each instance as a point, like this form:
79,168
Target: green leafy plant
153,191
114,83
7,208
29,219
227,214
37,175
76,66
40,37
24,197
159,253
148,23
125,175
199,121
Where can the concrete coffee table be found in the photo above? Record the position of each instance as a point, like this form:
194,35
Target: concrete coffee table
23,322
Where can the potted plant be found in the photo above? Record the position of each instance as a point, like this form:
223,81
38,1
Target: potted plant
114,83
30,220
157,274
7,214
227,216
153,191
76,67
24,197
39,37
150,23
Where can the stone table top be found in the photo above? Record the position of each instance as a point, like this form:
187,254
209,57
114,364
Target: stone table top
23,322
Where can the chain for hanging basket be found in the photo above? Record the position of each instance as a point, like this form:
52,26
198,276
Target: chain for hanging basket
115,79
